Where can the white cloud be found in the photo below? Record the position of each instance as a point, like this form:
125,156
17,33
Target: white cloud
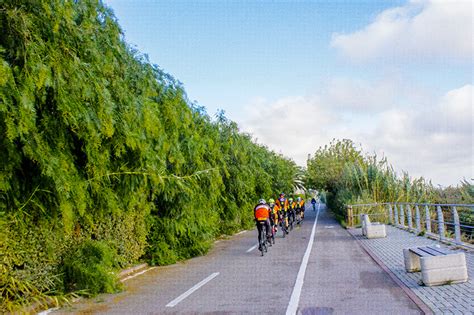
456,108
427,29
360,95
290,126
435,141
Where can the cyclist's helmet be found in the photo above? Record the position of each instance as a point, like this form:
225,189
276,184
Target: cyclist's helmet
262,201
282,195
290,200
271,201
298,199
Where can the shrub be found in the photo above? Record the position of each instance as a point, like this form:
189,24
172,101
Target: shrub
90,268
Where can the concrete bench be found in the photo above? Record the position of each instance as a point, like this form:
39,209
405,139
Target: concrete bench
437,266
372,230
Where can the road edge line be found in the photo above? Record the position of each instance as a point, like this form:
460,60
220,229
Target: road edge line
136,274
411,295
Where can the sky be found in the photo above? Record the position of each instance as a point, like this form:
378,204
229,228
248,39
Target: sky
396,77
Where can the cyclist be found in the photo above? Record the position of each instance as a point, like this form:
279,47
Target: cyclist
291,212
313,202
282,204
300,206
273,213
262,214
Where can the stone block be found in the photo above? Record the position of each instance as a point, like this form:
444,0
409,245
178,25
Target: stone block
446,269
412,261
372,230
376,231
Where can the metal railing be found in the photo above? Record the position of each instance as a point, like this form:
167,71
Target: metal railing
447,222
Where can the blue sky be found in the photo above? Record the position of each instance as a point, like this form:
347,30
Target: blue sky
333,69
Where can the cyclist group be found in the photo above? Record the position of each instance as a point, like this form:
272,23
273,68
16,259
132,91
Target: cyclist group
282,213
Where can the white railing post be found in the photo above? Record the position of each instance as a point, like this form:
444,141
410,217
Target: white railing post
396,214
440,222
402,216
457,226
410,224
417,219
428,219
390,214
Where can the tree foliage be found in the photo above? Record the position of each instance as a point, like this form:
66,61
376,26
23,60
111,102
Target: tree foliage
99,145
349,176
327,164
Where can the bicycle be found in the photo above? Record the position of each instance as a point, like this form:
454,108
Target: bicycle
299,217
291,219
283,223
273,228
262,240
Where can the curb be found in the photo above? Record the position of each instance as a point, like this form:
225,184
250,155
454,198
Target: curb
126,272
423,307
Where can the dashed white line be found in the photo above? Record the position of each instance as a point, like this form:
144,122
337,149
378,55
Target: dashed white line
190,291
241,232
295,295
251,248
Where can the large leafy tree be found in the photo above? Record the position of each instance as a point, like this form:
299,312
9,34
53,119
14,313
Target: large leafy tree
327,164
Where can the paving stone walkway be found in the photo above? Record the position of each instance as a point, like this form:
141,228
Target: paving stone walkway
446,299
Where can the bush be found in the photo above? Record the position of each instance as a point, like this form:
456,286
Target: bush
89,268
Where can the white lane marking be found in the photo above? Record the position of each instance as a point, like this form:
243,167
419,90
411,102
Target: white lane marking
329,227
241,232
295,295
137,274
190,291
251,248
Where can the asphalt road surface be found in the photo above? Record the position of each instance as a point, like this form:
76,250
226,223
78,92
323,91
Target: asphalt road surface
317,269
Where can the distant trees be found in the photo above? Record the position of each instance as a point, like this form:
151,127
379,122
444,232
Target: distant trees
349,176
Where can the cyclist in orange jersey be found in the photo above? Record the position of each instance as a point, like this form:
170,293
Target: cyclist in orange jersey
282,202
262,214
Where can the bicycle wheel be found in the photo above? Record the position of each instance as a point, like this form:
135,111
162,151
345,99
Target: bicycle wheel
263,237
262,246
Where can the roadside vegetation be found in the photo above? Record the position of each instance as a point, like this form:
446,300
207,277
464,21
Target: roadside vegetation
350,176
105,162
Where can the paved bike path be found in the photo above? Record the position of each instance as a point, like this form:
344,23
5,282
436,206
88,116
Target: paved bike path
233,279
342,279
